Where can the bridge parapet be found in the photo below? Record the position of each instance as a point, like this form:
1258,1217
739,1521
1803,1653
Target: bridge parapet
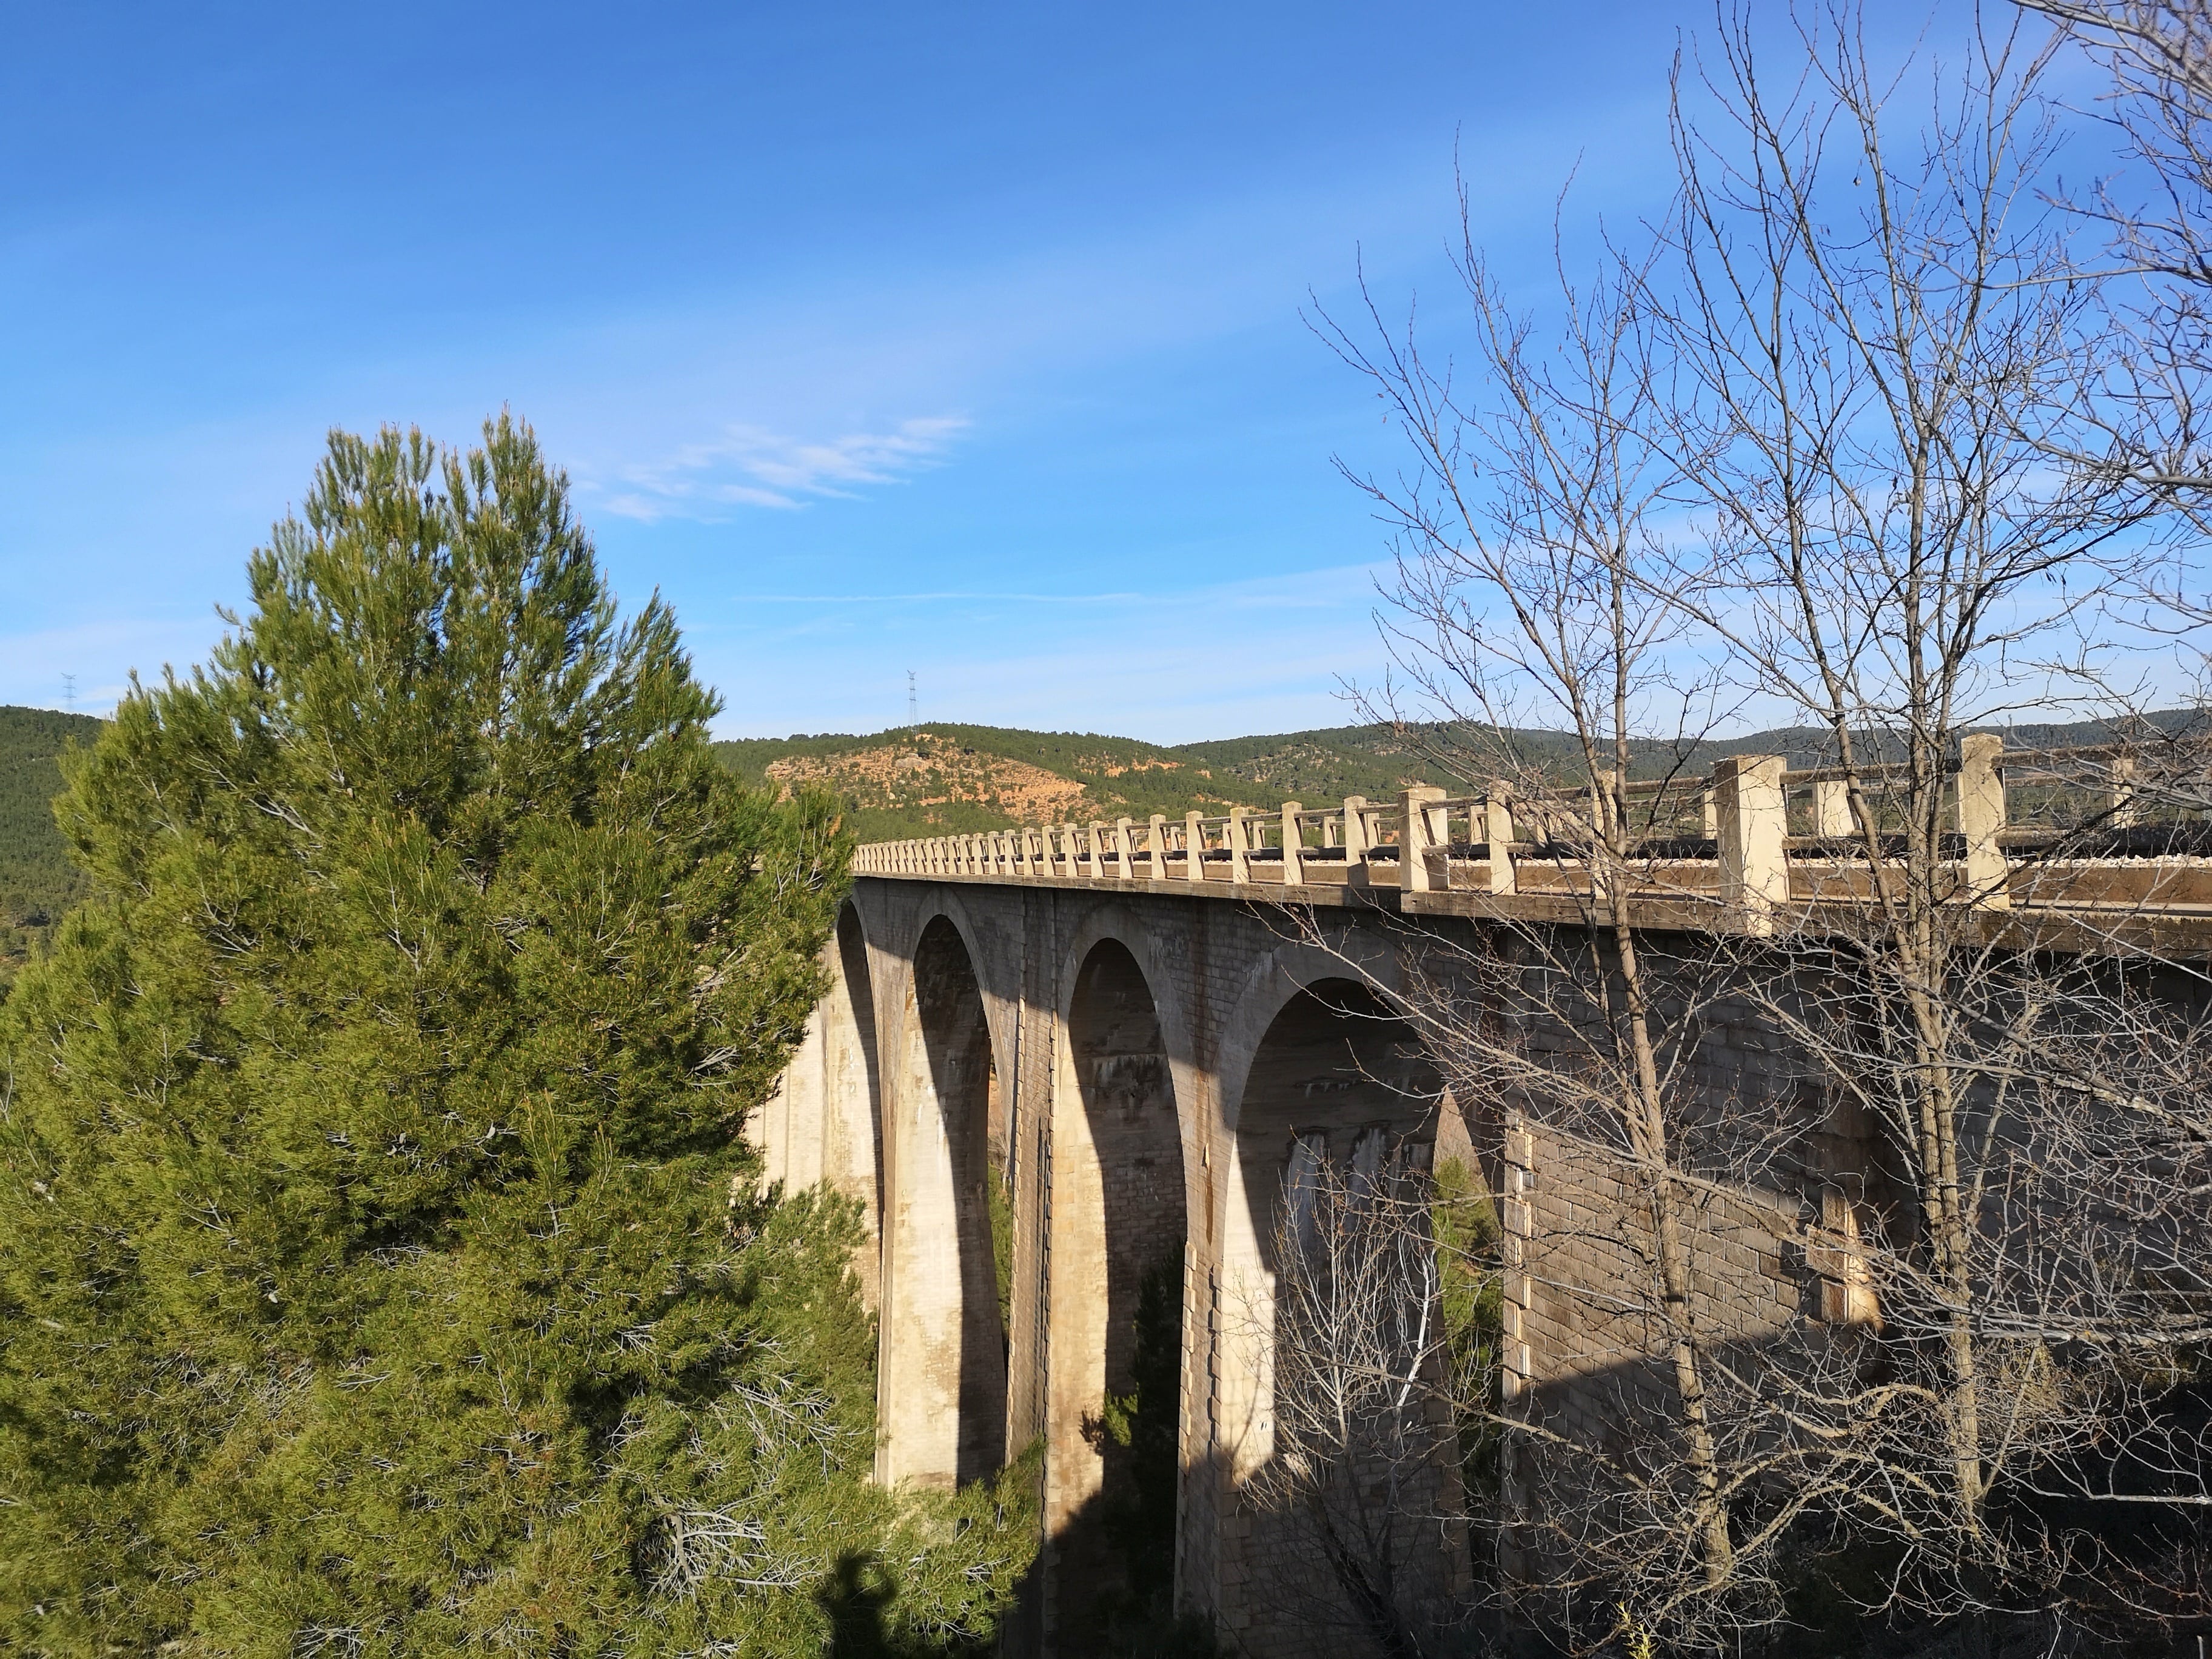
1072,1013
2093,827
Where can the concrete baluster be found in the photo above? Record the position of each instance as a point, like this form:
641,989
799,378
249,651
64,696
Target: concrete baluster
1125,852
1982,819
1094,845
1831,808
1498,830
1156,860
1240,846
1354,836
1194,847
1294,865
1416,835
1710,810
1754,866
2120,803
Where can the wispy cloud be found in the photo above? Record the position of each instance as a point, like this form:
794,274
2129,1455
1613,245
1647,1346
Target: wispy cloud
931,598
1165,666
752,467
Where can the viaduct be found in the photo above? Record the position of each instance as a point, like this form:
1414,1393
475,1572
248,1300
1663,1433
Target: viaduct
1064,1068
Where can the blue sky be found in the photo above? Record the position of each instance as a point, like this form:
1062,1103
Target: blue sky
962,339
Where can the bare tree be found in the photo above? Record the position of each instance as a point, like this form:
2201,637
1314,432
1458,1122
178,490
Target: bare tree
2156,212
1371,1395
1530,618
1885,369
1842,449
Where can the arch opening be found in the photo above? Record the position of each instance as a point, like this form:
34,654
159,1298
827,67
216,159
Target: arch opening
1336,1135
942,1389
1119,1234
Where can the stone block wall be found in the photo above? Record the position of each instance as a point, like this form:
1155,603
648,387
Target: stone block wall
1239,1046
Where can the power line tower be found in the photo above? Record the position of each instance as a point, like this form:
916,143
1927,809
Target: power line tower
913,702
68,692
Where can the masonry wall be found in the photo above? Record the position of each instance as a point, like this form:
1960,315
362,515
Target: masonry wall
1222,976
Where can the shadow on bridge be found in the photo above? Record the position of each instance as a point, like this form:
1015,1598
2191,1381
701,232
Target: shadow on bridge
943,1402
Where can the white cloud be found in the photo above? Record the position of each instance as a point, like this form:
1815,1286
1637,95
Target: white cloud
752,467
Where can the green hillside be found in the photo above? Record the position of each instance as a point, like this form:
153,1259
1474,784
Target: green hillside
38,881
952,779
956,780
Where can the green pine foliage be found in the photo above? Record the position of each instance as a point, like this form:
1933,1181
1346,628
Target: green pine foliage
1463,1221
383,1269
1143,1425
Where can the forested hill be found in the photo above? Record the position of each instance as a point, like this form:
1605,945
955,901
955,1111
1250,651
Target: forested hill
946,779
939,779
38,881
955,780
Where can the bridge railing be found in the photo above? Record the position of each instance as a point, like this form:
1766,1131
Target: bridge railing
1732,833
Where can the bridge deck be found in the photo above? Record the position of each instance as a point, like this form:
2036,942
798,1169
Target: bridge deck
1720,856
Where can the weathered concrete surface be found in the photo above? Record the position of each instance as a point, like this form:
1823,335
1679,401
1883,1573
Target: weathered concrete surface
1134,1061
1152,1054
1128,1027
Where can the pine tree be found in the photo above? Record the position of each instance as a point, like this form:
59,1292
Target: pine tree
380,1270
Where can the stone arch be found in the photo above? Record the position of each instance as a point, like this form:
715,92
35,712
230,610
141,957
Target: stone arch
942,1392
944,909
1277,979
1119,1255
853,1124
1336,1073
